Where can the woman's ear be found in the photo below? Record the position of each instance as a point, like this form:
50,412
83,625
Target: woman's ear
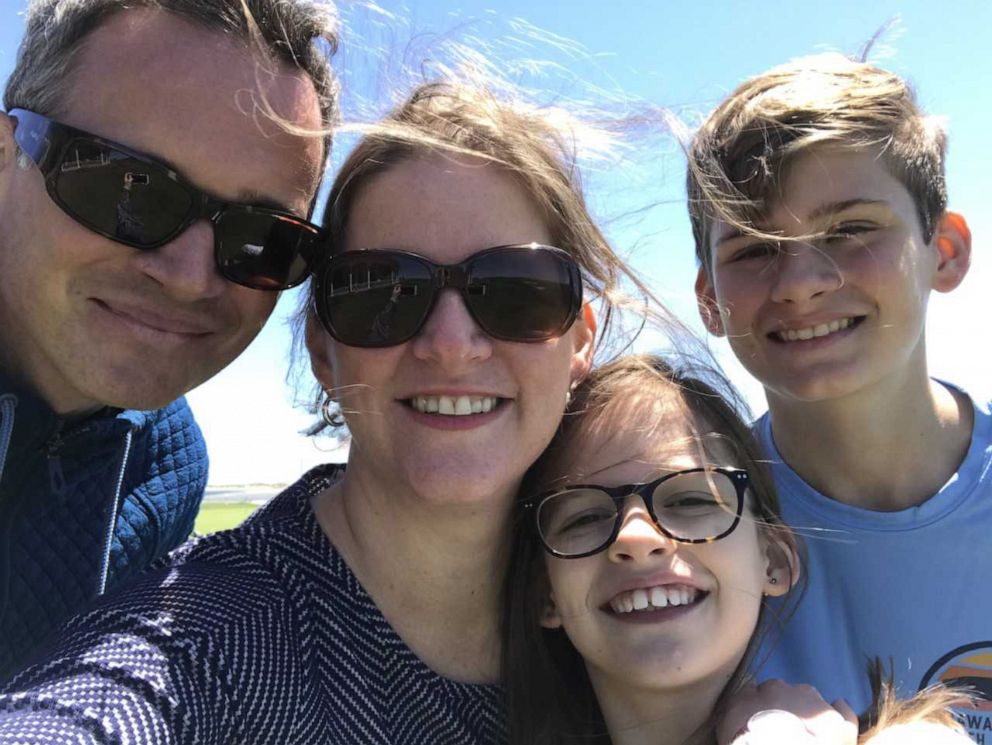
782,565
584,337
319,348
549,613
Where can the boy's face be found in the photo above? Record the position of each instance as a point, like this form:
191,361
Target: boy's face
838,305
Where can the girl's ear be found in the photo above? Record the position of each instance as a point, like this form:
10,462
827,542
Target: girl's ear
782,566
549,613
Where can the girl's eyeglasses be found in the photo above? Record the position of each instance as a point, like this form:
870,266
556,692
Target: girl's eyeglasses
698,505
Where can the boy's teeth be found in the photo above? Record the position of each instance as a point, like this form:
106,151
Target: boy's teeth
453,405
821,329
653,597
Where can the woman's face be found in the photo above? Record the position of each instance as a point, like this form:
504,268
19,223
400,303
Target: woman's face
717,587
447,209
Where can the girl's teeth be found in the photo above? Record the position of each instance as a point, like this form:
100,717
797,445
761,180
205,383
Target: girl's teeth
659,598
653,598
821,329
453,405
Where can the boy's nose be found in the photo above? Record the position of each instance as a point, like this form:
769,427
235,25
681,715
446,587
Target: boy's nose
803,272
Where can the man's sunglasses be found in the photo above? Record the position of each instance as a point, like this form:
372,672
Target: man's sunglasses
380,297
135,200
697,505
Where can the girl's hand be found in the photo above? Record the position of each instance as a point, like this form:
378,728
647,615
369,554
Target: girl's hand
775,713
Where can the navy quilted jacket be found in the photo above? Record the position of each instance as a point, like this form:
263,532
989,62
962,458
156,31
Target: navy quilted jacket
84,505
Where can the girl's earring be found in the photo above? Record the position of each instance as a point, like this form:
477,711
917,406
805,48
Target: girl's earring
773,580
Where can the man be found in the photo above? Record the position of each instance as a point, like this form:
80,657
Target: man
158,159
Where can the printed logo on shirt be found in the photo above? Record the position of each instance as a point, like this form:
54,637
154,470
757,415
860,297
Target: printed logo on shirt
968,666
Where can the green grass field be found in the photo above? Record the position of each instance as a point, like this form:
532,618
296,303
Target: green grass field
216,516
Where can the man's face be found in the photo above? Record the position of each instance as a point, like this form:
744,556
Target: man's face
86,321
838,304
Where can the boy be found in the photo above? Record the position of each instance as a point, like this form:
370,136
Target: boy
818,205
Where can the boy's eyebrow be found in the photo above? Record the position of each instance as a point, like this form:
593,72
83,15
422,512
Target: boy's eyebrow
834,207
824,210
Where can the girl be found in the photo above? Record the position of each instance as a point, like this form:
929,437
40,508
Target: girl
642,556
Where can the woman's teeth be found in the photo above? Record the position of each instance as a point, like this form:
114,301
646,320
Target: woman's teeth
651,598
454,405
812,332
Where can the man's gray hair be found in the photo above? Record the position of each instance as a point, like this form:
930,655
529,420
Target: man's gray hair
301,33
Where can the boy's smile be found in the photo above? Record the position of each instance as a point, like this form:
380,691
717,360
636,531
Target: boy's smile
839,303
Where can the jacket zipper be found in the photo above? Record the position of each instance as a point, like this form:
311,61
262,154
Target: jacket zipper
8,403
109,536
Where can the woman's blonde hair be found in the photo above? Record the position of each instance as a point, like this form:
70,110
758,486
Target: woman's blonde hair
539,147
888,713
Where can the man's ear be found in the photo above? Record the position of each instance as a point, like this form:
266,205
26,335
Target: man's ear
319,348
953,243
549,613
782,566
8,147
709,311
584,333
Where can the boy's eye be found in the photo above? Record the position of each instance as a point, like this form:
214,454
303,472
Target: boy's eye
847,231
763,251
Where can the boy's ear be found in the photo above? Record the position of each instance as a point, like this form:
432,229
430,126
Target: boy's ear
549,613
709,311
952,240
584,332
781,561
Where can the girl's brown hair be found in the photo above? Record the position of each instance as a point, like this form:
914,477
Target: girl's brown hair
549,696
550,699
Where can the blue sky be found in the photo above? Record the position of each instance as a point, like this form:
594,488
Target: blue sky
677,54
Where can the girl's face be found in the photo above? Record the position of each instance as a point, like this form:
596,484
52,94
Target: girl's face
607,603
496,404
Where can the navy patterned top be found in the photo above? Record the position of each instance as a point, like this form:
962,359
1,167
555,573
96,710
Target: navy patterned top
257,635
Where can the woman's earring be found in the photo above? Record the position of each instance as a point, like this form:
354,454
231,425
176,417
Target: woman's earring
325,411
568,397
773,580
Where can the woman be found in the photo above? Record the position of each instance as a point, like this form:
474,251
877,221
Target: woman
646,549
362,604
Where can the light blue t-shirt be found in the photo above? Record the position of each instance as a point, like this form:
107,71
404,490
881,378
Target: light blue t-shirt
913,587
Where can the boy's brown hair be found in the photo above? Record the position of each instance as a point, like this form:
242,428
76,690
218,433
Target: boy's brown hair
738,157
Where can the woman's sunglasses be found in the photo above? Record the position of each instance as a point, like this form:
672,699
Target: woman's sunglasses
135,200
380,298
